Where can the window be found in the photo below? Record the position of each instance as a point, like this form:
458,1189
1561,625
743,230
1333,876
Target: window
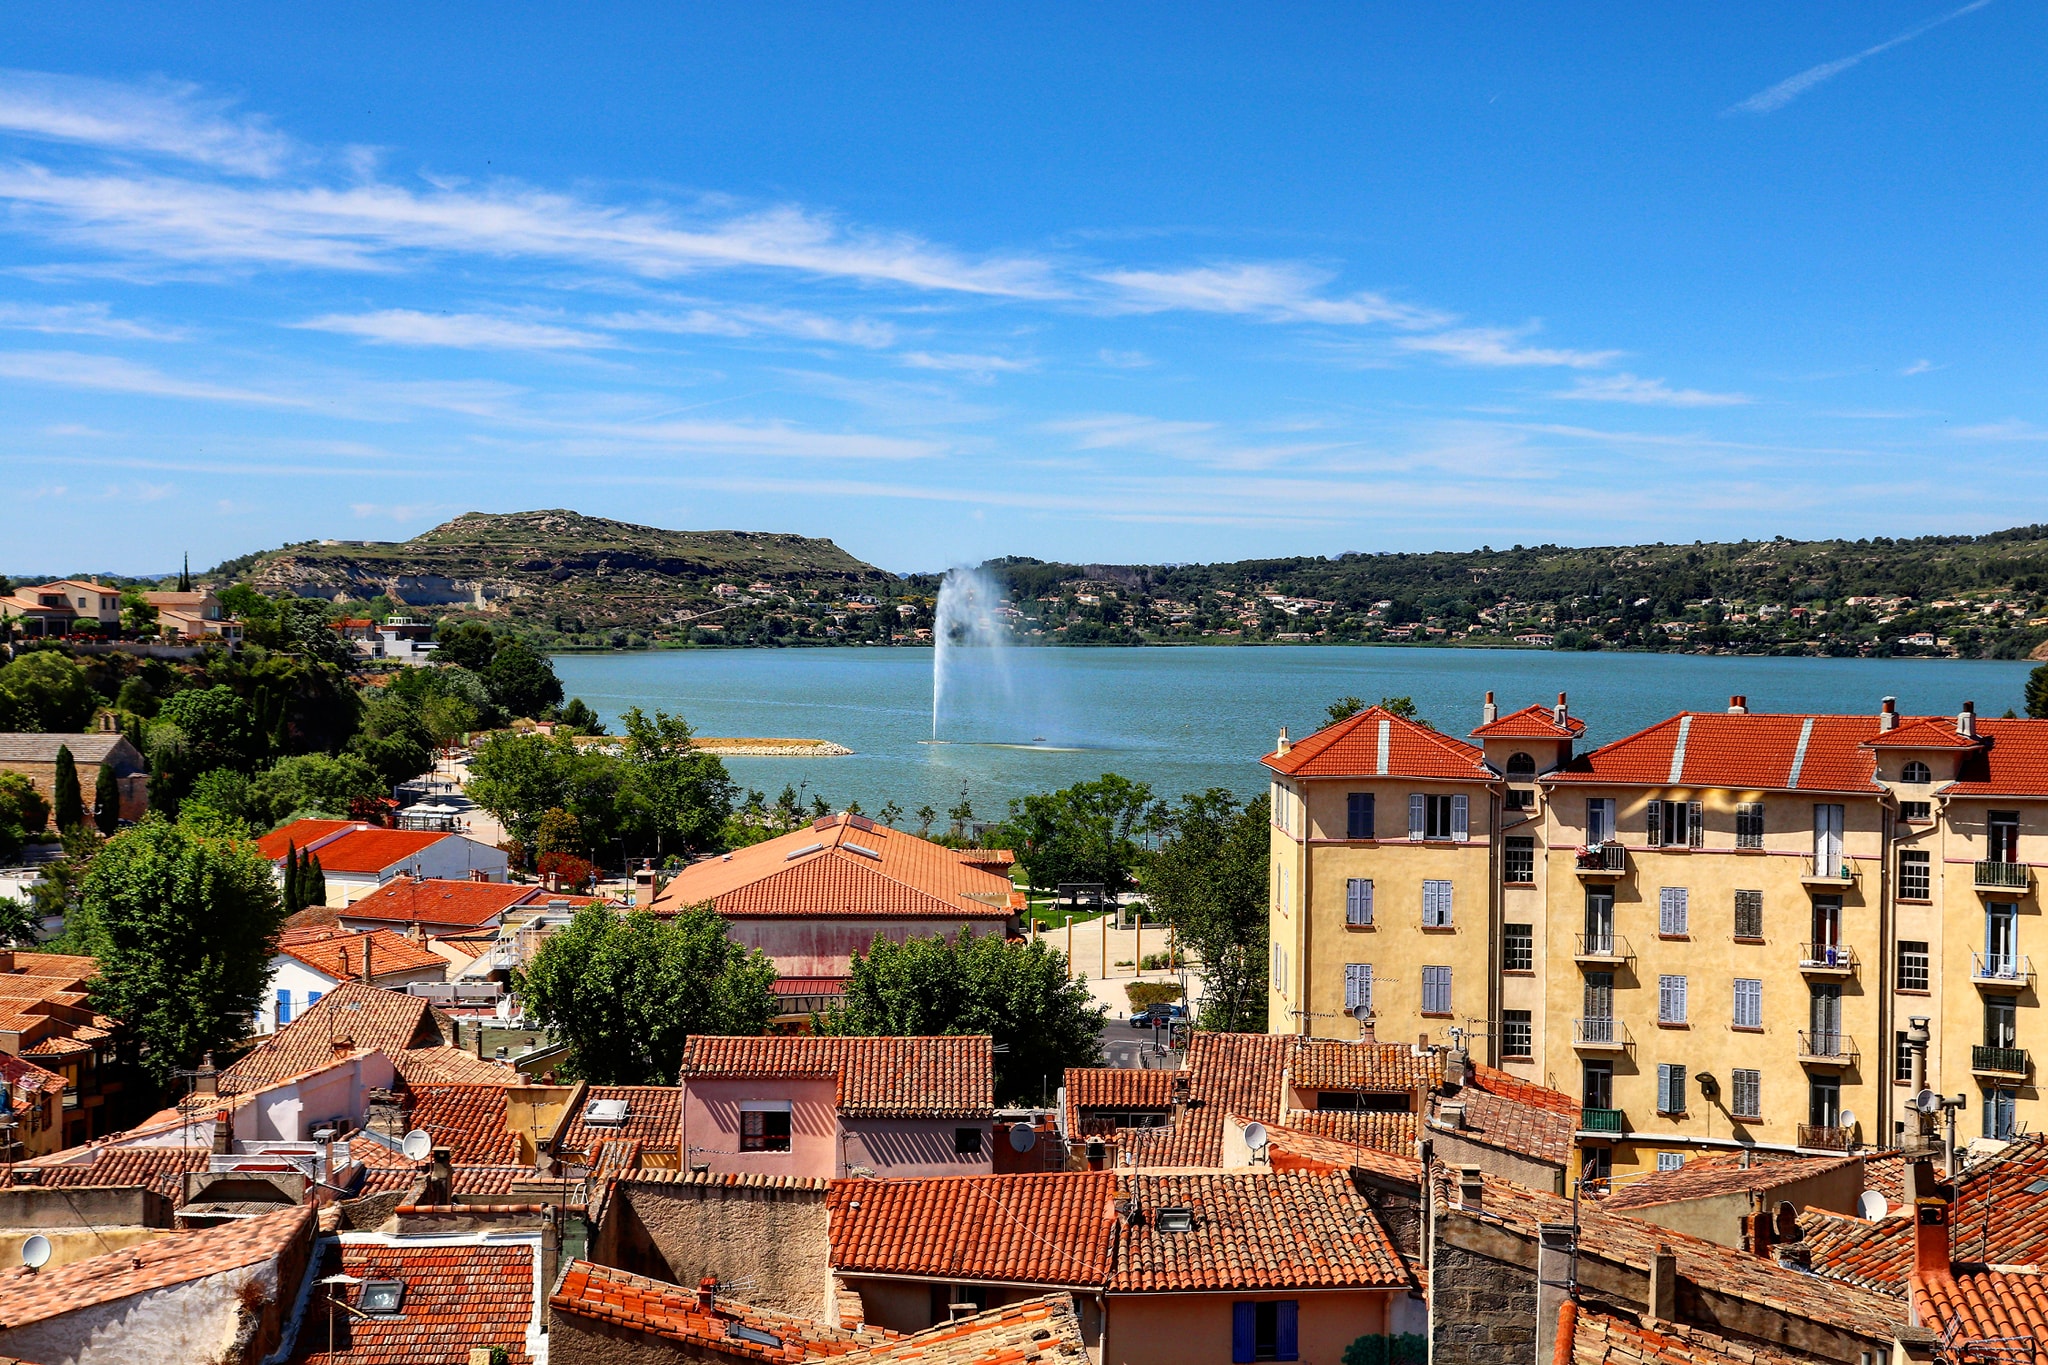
1749,914
967,1142
1749,825
284,1008
1358,901
1436,990
1916,876
1672,824
2003,830
1265,1331
1748,1098
1599,819
1517,1035
1915,811
1521,765
1670,1088
1998,1113
1673,915
951,1300
2002,939
1357,985
1670,1161
382,1298
1358,815
1670,999
1599,921
764,1130
1598,1085
1518,861
1520,798
1439,817
1597,1166
1912,964
1436,905
1902,1058
1824,1102
1749,1003
1916,771
2001,1024
1828,823
1518,947
313,998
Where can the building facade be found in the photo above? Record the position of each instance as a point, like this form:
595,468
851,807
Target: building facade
1715,932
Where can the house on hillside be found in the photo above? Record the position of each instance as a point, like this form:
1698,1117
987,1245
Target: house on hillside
56,608
34,756
311,962
358,858
193,616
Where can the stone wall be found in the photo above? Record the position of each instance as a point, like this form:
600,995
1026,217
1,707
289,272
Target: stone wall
766,1241
1482,1311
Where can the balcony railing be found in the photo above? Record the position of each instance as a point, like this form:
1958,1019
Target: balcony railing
1603,947
1827,959
2007,971
1999,1061
1602,1034
1828,1137
1835,872
2001,876
1827,1048
1602,1121
1602,862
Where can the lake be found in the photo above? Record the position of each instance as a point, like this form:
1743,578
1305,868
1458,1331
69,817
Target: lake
1186,718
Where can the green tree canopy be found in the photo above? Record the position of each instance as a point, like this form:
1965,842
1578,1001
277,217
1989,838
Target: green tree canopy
466,644
624,991
206,727
686,792
22,812
226,794
46,692
184,927
2037,693
106,799
67,801
1017,992
579,717
1208,879
1344,708
1084,833
314,782
521,680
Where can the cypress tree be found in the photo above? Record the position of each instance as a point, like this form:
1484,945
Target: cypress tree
106,800
67,803
292,903
185,574
316,882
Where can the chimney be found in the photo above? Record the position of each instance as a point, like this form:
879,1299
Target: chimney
1966,723
1796,1256
477,1037
206,1081
344,962
1365,1032
440,1177
1759,1226
1563,713
223,1133
1489,713
707,1293
1888,716
1451,1113
368,939
1663,1304
1284,743
1930,1237
1738,706
1471,1189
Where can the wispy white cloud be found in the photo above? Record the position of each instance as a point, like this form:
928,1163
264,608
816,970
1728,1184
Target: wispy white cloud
1210,444
1920,367
466,331
109,374
81,319
1626,388
1274,291
1123,360
1792,87
157,116
982,366
746,322
1501,346
2012,429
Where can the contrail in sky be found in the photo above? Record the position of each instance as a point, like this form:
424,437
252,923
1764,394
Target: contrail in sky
1792,87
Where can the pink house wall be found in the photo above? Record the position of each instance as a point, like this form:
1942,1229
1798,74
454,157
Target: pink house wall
824,945
711,1126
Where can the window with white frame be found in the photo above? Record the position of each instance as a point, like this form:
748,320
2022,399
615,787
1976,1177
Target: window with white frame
1358,901
1673,911
1517,1034
1436,990
1913,971
1670,1161
1436,904
1599,819
1671,1000
1439,817
1916,875
1749,1002
1358,985
1675,824
1518,860
1670,1088
1747,1093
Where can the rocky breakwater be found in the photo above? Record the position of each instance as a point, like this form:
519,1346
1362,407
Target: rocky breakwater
769,748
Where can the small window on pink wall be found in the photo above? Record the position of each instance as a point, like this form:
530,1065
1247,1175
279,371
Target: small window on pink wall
764,1130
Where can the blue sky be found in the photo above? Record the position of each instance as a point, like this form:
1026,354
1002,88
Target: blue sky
1084,282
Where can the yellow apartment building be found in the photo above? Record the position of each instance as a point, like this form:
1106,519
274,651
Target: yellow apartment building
1715,930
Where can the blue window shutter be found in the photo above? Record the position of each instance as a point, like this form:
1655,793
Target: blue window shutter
1243,1327
1289,1333
313,998
1461,817
1415,818
284,1007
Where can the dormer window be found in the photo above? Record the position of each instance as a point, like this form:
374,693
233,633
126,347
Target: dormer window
1521,765
1916,771
1174,1218
383,1298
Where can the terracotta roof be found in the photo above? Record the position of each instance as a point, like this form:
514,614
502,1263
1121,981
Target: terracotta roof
28,1296
1380,1067
1705,1179
1754,751
1041,1331
1921,732
338,953
370,849
1053,1228
2005,1304
24,1078
299,834
1358,1127
468,1118
1230,1073
1532,722
2013,761
654,1117
1352,748
1118,1089
1254,1231
430,900
1296,1149
674,1313
350,1018
951,1077
1995,1220
456,1297
441,1065
837,867
1598,1337
158,1168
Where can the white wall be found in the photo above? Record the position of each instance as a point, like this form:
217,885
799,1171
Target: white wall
290,974
194,1321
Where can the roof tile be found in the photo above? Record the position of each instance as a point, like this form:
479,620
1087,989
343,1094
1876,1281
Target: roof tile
947,1077
1351,748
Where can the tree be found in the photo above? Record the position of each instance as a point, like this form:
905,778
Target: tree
558,832
889,814
1208,879
227,794
1403,708
206,727
312,881
314,782
925,815
580,719
22,812
106,800
521,679
67,802
302,629
1344,708
686,791
46,692
183,927
1083,833
624,991
2037,693
1015,991
293,902
466,644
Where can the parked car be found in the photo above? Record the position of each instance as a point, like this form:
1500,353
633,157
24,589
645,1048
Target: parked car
1159,1016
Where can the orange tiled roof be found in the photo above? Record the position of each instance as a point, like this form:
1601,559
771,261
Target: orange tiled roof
1120,1089
468,1118
654,1117
430,900
28,1296
1705,1179
372,850
158,1168
1320,1064
1995,1220
845,866
350,1018
1532,722
442,1065
1593,1336
24,1077
1044,1331
2002,1303
456,1298
1296,1149
2013,761
1254,1231
636,1303
1382,1132
1353,748
1922,732
1230,1073
1753,751
299,834
1053,1228
338,953
950,1077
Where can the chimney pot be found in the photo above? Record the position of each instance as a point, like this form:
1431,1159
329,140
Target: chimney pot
223,1133
707,1292
367,972
1284,743
1451,1114
1489,713
1563,712
1738,705
1888,717
1966,723
1663,1304
1930,1237
1471,1189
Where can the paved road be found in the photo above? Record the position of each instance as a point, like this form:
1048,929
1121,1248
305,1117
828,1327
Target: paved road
1131,1049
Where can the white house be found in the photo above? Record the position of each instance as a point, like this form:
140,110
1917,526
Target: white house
311,962
357,858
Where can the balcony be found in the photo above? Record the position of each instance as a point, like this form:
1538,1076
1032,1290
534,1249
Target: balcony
1602,863
1827,959
1826,1137
1838,875
1827,1048
1998,876
2003,1062
1602,1121
1601,1035
2001,971
1603,950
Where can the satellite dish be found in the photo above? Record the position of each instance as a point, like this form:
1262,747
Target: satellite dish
1871,1205
1255,1136
35,1252
1023,1137
1848,1118
418,1145
1927,1102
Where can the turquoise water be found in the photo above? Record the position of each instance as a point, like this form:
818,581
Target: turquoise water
1188,718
